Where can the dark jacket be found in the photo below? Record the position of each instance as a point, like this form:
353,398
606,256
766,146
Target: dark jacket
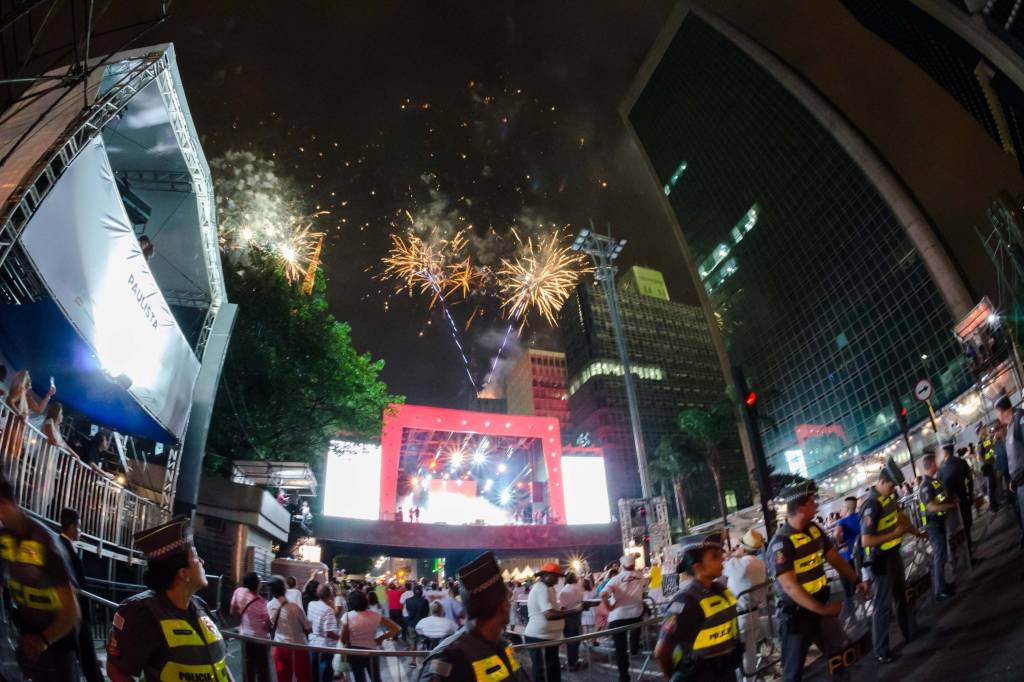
1015,447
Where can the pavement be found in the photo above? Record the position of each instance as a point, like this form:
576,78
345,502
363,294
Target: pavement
977,636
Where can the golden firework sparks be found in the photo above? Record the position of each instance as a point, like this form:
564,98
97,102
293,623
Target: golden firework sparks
540,278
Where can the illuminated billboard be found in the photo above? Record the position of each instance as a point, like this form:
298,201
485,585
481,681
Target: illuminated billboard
586,490
353,480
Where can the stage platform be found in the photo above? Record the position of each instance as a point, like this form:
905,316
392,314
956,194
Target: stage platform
416,540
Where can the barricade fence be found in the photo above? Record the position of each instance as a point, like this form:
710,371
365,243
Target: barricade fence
47,478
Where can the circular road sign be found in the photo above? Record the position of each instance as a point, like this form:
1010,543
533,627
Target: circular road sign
923,390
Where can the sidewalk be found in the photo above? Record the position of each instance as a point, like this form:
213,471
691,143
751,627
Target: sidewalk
978,636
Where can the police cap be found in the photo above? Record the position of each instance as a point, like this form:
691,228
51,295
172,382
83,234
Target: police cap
165,540
482,576
892,471
693,550
797,494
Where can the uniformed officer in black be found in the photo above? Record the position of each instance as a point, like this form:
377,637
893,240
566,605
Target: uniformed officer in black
36,571
166,632
478,652
935,504
882,527
699,640
796,558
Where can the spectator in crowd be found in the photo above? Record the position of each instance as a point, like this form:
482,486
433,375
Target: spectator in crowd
51,425
587,621
292,593
359,631
325,632
382,593
21,401
452,606
417,608
45,651
309,589
746,576
570,598
546,622
958,480
373,602
624,596
82,639
97,446
249,606
847,538
394,602
289,624
435,627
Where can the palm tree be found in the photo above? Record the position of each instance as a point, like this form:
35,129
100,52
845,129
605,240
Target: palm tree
674,464
707,428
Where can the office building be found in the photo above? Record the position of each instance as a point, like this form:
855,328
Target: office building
536,386
823,279
674,362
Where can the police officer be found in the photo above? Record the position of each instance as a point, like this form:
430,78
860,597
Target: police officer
37,571
796,557
882,527
166,632
699,640
478,651
935,504
987,455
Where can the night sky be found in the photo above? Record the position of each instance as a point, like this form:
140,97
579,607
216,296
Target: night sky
504,113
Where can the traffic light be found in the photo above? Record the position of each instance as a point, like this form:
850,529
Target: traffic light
750,420
751,399
901,414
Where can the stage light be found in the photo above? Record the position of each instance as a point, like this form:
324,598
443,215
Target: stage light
413,481
489,484
502,468
576,565
479,458
519,485
505,497
455,457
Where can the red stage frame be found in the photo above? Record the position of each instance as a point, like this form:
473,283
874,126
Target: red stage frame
399,417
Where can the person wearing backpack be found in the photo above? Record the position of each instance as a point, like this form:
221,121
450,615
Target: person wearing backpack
288,623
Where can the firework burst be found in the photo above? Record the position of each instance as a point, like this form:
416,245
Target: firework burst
540,278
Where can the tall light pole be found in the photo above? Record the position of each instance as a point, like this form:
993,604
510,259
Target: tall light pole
603,250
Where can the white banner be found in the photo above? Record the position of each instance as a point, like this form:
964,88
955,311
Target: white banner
81,242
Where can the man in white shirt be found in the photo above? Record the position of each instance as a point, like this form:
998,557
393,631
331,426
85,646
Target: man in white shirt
570,598
742,572
292,594
624,597
435,627
547,620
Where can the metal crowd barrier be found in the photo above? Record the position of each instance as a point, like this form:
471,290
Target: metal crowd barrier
46,479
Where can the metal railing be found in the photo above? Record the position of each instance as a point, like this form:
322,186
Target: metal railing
47,478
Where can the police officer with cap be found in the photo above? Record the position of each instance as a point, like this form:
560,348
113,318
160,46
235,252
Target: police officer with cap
699,640
166,632
935,504
478,651
796,558
882,527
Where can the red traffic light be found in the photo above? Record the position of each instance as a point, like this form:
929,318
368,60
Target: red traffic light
903,412
751,399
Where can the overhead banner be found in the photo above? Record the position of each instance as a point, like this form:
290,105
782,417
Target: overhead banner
81,242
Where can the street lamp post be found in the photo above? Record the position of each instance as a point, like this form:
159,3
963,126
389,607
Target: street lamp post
603,250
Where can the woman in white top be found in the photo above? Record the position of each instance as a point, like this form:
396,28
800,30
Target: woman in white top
359,631
21,401
325,632
289,624
588,615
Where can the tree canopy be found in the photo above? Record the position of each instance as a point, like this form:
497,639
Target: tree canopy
292,379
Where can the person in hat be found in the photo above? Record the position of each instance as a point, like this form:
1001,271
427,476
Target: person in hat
699,640
478,651
957,477
935,504
882,527
797,556
623,595
37,572
546,622
166,632
746,576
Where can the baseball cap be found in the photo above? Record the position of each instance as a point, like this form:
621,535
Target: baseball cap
551,567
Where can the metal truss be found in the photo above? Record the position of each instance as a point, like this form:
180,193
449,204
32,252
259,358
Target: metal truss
170,479
159,181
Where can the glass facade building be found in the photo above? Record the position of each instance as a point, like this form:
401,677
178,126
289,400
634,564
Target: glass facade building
815,288
674,362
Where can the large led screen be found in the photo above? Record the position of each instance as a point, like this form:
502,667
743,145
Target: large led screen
586,490
352,488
